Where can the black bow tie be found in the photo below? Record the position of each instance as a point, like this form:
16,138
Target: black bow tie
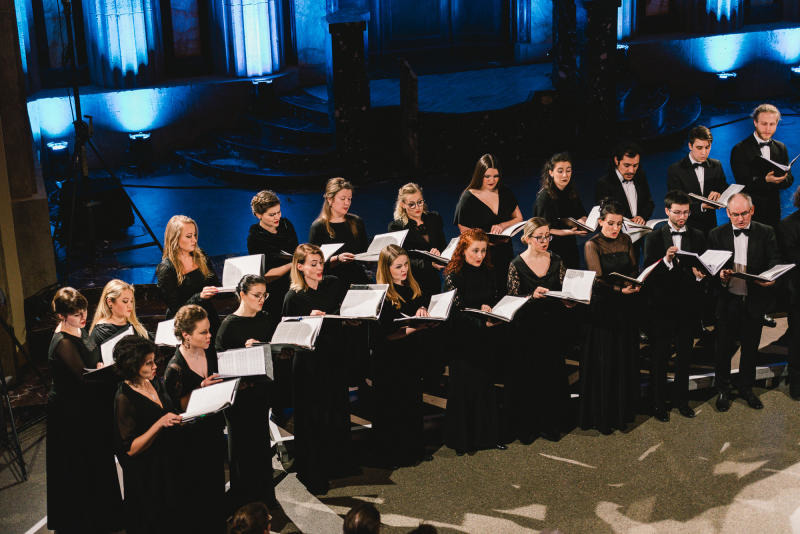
765,143
704,165
739,231
677,233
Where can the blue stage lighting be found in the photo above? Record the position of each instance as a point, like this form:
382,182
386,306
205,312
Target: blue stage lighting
52,117
726,75
57,146
786,43
796,71
137,110
722,52
56,161
139,136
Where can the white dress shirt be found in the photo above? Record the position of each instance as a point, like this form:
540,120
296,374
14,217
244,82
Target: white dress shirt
630,192
676,241
738,286
764,149
700,172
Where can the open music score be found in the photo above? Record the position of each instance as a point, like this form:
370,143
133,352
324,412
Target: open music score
381,241
722,201
769,275
438,310
577,286
505,310
444,257
248,361
165,334
710,261
235,268
210,399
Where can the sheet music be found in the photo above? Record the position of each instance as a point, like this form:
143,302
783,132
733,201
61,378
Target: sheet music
363,303
508,306
513,229
165,334
712,260
381,241
236,268
770,274
107,347
210,399
297,331
450,248
642,276
577,286
329,250
248,361
593,217
440,304
722,201
781,166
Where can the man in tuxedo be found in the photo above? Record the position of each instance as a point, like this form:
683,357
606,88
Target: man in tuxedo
789,240
750,170
674,292
626,183
741,303
699,174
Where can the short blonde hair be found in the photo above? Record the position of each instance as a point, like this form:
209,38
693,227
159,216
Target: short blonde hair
531,225
765,108
300,254
400,213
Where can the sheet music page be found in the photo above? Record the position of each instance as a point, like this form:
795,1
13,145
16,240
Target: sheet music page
591,219
165,334
513,229
107,347
248,361
647,271
362,302
441,303
236,268
300,331
778,270
715,259
508,306
210,399
578,283
380,241
450,248
729,192
329,250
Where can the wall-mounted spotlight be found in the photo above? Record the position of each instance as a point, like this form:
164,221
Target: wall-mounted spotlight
56,160
794,75
263,97
725,86
140,148
726,75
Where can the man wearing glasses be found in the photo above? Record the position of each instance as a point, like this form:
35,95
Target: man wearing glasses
741,303
675,294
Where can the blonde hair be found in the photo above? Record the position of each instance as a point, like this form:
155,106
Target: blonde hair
531,225
333,186
384,275
765,108
300,254
400,213
172,235
113,290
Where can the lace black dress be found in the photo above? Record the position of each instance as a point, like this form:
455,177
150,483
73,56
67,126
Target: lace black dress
425,236
152,478
609,371
321,402
472,419
83,493
188,291
249,454
536,389
202,450
397,379
555,210
260,241
351,272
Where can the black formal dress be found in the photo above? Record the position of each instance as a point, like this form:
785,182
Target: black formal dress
249,454
536,389
202,446
397,379
741,315
682,176
153,479
610,186
676,298
83,493
609,371
425,236
750,170
555,211
473,213
321,402
351,272
272,246
789,239
472,419
188,291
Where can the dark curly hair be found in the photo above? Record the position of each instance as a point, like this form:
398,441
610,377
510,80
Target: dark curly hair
130,354
466,239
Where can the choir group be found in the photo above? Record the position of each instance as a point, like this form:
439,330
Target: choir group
174,471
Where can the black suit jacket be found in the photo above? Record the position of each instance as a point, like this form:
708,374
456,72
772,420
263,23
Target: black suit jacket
749,170
762,254
789,241
676,291
682,176
610,186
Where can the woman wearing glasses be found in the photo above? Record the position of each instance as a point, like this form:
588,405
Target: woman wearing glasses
251,467
536,392
425,232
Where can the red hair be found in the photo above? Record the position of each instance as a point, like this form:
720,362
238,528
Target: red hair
464,242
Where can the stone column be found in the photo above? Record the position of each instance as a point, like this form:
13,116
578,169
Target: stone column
531,23
247,37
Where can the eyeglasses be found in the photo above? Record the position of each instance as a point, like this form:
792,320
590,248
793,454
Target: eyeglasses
680,213
259,296
742,214
542,238
417,204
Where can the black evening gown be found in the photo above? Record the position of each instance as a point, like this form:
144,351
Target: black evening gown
83,493
555,211
609,371
260,241
472,419
425,236
202,450
249,452
397,379
536,388
351,272
187,292
321,401
152,478
473,213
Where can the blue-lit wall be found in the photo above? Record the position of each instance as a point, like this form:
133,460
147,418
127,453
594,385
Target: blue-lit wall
247,36
313,39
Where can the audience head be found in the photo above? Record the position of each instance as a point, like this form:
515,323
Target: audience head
266,206
472,248
117,301
180,237
69,307
192,327
700,140
627,157
336,204
536,233
394,268
251,518
740,210
677,207
557,175
486,174
362,518
135,357
307,263
611,215
424,529
410,204
252,291
765,120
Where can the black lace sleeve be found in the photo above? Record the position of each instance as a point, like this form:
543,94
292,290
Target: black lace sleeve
562,272
450,284
125,419
513,281
174,383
